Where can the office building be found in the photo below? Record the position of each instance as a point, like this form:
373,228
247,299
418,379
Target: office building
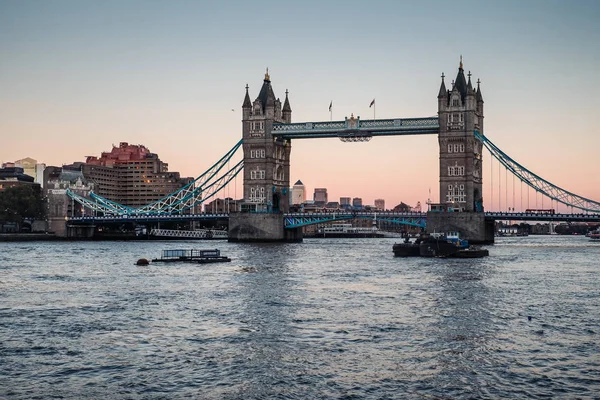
298,193
320,195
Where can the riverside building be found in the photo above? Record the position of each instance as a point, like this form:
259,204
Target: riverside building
131,175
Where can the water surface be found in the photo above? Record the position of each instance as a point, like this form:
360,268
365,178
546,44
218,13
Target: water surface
326,318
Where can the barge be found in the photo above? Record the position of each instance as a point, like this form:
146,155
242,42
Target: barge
195,256
438,245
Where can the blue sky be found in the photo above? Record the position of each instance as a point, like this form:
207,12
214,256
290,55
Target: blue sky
79,76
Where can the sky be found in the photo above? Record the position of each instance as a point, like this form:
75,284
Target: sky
78,76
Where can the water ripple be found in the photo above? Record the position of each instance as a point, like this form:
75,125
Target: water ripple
325,318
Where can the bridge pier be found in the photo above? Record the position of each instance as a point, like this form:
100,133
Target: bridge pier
471,225
261,227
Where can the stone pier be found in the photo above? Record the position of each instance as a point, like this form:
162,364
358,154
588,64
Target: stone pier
261,227
472,226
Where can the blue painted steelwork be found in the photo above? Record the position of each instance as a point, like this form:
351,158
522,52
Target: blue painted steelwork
504,216
147,218
200,189
539,184
356,128
296,220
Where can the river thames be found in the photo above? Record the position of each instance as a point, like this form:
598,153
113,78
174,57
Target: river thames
322,319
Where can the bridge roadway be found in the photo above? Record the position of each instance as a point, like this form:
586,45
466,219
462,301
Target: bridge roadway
293,220
355,128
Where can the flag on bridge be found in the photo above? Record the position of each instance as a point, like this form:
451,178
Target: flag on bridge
330,104
372,103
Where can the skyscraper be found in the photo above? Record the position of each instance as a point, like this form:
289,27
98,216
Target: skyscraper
320,195
298,193
380,204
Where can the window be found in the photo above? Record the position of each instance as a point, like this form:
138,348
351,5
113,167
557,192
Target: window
455,102
257,174
257,194
456,194
259,153
449,148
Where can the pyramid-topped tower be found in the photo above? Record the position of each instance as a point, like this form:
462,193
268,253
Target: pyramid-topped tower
266,159
460,111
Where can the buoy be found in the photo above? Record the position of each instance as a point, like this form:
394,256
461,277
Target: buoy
142,261
529,317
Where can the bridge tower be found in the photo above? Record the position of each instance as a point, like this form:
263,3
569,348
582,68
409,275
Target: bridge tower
266,159
460,113
266,171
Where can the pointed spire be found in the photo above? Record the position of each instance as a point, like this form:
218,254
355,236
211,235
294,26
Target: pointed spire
469,86
247,103
286,103
442,91
461,82
479,96
266,95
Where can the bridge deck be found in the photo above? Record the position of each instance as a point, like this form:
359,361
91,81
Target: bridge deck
330,216
356,127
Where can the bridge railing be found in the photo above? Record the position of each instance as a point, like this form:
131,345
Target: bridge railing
396,124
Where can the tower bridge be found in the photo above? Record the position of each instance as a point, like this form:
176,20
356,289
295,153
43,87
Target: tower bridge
267,135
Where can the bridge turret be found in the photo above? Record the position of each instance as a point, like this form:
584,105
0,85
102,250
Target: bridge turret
479,99
442,95
266,159
247,105
287,110
460,115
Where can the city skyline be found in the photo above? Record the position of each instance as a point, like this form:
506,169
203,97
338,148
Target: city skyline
79,76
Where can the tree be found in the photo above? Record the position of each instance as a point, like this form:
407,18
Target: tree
21,202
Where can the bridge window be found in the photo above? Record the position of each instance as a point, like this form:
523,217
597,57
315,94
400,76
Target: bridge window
260,153
456,194
455,102
258,174
257,194
456,171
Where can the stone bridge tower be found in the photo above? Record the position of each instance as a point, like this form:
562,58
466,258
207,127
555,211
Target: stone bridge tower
460,111
266,159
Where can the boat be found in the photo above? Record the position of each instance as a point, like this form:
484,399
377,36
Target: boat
442,245
594,235
407,248
343,230
195,256
471,252
438,245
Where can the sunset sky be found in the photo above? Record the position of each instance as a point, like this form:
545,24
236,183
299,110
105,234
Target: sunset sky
78,76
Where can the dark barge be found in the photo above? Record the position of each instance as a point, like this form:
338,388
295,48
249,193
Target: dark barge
438,245
195,256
